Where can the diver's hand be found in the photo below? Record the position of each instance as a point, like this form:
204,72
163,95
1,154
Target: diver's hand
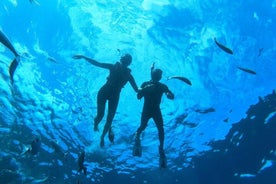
152,66
139,94
78,57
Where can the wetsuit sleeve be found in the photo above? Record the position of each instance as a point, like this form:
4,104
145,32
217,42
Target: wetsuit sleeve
96,63
133,83
140,93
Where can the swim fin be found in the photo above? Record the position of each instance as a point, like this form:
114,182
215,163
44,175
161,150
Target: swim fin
137,150
111,135
162,158
162,162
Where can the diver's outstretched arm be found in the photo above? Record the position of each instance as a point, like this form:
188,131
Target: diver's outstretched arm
152,68
133,83
93,62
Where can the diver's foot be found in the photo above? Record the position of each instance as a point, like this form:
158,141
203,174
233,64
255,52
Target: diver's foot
85,170
162,162
111,135
102,143
162,159
137,150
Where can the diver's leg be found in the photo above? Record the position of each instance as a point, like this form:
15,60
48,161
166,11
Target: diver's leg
112,107
137,150
101,101
159,124
144,121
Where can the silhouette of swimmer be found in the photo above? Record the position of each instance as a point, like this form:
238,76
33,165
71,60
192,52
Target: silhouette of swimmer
152,92
81,163
119,75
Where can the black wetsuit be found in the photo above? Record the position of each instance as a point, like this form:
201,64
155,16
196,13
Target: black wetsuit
110,91
152,93
119,75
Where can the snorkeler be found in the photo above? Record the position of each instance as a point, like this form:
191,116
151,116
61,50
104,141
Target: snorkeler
152,92
119,75
81,162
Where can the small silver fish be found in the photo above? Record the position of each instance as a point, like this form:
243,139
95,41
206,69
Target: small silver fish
224,48
260,52
247,70
52,59
34,2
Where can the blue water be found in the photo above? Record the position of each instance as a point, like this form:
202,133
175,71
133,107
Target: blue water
222,129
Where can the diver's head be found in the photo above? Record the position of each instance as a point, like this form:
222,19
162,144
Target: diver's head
156,75
126,59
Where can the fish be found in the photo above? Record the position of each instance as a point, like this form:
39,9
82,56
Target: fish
187,81
247,70
12,68
224,48
81,161
43,180
52,59
260,52
34,148
34,2
226,120
191,125
5,41
205,111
